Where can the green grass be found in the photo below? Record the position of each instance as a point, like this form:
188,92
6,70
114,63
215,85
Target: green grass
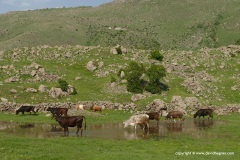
14,147
173,24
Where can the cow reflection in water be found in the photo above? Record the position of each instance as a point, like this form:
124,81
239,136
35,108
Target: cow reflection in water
147,133
174,127
203,123
54,128
27,125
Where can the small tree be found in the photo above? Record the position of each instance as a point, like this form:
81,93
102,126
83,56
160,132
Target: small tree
133,73
155,73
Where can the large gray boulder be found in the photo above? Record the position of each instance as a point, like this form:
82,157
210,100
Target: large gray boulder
56,92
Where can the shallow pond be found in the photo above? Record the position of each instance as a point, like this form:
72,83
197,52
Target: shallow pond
193,127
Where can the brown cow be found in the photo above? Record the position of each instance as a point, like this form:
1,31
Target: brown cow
204,112
174,115
97,108
154,115
58,111
71,121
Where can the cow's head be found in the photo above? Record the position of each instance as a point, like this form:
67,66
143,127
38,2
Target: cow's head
125,124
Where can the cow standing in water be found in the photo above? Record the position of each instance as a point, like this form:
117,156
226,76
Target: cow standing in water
175,115
203,113
154,116
141,119
71,121
25,109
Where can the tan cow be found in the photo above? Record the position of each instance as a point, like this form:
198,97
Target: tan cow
97,108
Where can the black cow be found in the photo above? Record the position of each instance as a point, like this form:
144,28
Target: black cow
58,111
71,121
25,109
204,112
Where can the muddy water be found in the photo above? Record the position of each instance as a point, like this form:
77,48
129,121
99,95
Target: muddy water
196,128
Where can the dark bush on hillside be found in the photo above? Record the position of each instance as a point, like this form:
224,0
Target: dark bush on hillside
113,79
74,91
63,85
134,71
156,55
135,82
153,87
237,42
155,73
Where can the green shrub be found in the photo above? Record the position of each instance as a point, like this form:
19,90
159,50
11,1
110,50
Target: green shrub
74,91
155,73
156,55
153,87
113,79
133,72
237,42
63,85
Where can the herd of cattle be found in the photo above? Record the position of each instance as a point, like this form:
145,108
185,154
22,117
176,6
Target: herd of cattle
65,121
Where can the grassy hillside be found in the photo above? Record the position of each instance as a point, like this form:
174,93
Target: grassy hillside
143,24
211,75
54,39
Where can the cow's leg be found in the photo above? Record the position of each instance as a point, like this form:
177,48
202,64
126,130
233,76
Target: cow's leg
22,113
81,131
135,125
147,124
79,127
67,131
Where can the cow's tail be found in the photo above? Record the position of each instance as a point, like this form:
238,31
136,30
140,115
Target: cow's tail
85,125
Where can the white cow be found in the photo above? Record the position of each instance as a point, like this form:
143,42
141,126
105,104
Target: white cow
141,119
79,107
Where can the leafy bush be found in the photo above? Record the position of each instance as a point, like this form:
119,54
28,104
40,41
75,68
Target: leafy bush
135,84
113,79
237,42
63,85
155,73
134,72
156,55
153,87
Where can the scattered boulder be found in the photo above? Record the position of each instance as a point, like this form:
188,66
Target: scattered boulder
91,66
13,91
4,99
137,97
42,88
56,92
32,90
